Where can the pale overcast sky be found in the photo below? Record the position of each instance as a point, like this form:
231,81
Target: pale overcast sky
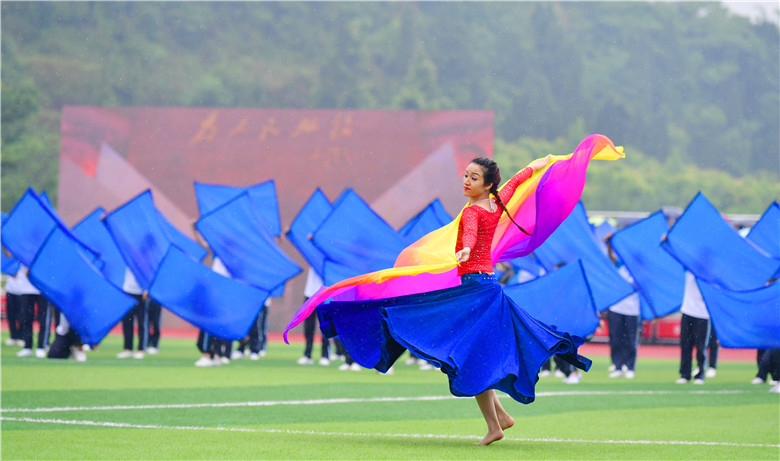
755,10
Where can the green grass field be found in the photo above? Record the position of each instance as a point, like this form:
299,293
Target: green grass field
163,407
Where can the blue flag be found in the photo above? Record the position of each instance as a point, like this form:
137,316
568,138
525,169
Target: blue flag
355,237
745,319
262,196
316,209
140,236
10,265
219,305
239,239
429,219
569,243
28,225
561,299
92,231
65,275
660,278
713,251
178,238
765,234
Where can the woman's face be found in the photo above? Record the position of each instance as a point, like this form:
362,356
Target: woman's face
474,186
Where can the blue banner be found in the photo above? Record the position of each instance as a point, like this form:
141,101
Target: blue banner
659,277
140,236
765,234
92,231
574,240
355,237
263,197
429,219
703,242
561,299
10,265
316,209
178,238
745,319
236,235
64,274
219,305
28,225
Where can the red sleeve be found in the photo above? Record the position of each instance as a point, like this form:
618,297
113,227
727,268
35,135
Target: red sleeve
470,221
511,186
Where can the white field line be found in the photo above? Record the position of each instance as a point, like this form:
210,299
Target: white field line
271,403
379,434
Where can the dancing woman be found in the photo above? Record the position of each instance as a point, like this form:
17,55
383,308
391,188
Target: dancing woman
476,334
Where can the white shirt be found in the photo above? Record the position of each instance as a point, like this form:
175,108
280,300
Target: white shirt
219,267
627,306
693,304
630,304
19,284
313,283
130,285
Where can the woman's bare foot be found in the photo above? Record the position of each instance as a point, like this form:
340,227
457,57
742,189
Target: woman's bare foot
491,437
506,421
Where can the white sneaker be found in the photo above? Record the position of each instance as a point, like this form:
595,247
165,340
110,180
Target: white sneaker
559,374
40,353
681,381
698,381
138,355
25,353
324,362
262,353
224,360
20,342
616,374
772,382
124,354
254,356
612,367
390,371
305,361
152,350
236,355
78,355
343,367
545,374
630,374
757,380
355,367
204,362
10,342
695,371
573,378
775,389
710,373
86,347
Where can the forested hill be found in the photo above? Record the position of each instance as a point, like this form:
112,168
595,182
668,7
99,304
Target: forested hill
690,90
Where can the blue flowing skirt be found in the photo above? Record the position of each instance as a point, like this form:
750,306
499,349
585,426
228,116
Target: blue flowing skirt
475,333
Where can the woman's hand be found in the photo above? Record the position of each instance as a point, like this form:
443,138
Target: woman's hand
538,164
463,255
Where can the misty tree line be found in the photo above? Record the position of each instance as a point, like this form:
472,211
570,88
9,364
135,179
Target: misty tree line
692,92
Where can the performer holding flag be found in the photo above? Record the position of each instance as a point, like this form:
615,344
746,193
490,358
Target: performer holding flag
467,326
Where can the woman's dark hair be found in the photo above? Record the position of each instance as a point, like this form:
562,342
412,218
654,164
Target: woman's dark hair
492,176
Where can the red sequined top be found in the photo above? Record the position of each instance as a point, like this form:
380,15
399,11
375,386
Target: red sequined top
478,225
